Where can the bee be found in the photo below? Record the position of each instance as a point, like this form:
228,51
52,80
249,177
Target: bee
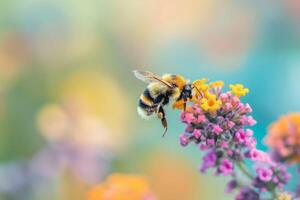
159,92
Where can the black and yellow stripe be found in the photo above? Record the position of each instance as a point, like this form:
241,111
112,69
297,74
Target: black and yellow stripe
149,104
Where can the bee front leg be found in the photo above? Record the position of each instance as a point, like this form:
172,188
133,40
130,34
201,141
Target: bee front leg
161,115
184,104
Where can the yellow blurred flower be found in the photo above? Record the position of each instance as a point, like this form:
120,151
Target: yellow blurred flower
53,122
210,104
96,93
284,196
238,90
57,123
91,109
122,187
284,138
217,84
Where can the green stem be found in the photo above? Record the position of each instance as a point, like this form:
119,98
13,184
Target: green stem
243,169
274,195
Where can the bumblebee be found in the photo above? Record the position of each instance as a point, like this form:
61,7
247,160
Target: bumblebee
159,92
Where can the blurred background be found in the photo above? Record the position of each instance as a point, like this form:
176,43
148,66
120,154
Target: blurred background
68,96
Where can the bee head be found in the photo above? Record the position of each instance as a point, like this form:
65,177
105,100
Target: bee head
187,91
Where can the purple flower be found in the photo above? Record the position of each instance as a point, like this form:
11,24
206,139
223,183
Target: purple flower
264,174
231,185
225,167
247,194
241,136
298,191
222,134
209,160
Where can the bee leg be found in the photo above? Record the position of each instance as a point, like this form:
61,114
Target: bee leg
184,104
165,125
161,115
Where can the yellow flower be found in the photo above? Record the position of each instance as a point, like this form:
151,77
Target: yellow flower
200,85
210,104
217,84
122,187
238,90
208,95
284,196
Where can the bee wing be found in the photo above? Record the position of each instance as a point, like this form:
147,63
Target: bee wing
149,77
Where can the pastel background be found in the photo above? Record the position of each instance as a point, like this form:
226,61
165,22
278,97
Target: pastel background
68,96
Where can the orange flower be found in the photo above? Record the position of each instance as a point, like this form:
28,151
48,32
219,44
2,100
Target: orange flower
122,187
178,105
284,138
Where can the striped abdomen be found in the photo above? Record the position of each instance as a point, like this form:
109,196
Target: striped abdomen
151,99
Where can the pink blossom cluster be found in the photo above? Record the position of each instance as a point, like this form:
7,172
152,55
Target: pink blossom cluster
227,141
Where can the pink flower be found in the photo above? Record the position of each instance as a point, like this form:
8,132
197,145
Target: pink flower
275,180
253,154
240,136
223,97
263,189
228,106
235,101
225,167
230,152
224,144
200,119
189,118
247,108
251,121
183,140
231,124
182,116
260,156
251,142
217,129
247,120
210,142
244,137
264,174
198,110
203,147
197,133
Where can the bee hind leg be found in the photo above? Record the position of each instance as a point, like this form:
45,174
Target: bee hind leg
165,125
161,115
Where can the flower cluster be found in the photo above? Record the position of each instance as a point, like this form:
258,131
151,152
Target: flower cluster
122,187
218,123
284,138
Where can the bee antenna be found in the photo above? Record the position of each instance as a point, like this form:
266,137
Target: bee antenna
194,86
